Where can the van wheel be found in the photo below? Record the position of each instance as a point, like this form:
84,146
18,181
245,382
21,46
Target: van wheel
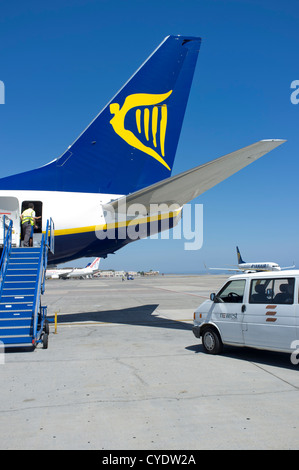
211,341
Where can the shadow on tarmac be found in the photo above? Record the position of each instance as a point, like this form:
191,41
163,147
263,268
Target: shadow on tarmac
256,356
140,315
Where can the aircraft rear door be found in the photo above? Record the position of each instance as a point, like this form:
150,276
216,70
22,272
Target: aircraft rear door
38,209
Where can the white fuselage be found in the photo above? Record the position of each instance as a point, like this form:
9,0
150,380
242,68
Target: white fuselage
267,266
83,227
69,210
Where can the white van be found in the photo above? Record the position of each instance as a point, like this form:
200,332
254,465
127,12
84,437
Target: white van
258,310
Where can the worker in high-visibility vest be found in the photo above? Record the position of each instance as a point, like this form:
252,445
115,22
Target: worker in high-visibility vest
28,219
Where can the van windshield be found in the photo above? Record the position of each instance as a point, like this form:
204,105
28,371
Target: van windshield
232,292
272,291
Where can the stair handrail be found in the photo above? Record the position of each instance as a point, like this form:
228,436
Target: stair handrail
47,243
50,235
7,243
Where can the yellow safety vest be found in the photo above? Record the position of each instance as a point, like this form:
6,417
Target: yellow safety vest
28,216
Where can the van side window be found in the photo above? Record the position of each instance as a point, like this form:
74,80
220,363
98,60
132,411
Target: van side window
232,292
272,291
283,291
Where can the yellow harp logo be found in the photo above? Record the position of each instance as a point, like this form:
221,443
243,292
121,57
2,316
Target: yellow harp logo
138,101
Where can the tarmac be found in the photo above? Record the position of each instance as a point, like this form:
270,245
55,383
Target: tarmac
125,372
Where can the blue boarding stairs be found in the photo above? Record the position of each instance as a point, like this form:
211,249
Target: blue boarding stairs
23,320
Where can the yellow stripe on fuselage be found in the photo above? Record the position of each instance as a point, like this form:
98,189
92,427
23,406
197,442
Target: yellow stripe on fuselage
113,225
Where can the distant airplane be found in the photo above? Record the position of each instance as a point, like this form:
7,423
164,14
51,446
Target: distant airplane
253,267
68,273
59,273
123,160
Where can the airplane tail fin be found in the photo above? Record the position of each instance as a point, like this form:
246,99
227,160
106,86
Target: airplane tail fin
95,264
240,260
132,142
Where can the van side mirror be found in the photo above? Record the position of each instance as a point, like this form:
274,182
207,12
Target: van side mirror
212,296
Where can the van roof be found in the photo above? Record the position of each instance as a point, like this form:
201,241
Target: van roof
279,274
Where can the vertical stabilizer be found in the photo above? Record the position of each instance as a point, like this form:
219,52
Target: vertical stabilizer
240,260
132,142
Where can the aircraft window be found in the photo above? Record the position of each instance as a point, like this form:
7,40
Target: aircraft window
232,292
272,291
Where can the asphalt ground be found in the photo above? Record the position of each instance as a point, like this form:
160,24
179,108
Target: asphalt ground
124,371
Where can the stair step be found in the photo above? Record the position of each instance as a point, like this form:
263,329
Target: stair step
16,309
22,268
17,340
22,256
24,325
6,299
21,271
22,265
15,331
9,297
15,303
21,321
24,249
16,315
15,277
21,287
19,284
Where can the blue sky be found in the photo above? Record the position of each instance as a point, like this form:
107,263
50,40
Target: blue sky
62,61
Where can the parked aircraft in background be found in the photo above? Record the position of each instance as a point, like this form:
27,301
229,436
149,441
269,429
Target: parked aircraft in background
124,158
253,267
80,273
57,273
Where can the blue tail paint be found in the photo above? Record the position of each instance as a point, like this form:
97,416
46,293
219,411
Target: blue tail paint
133,140
240,260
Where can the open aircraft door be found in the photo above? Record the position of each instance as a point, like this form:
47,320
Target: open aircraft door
9,206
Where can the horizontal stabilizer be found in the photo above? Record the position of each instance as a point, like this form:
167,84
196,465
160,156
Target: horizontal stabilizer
182,188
